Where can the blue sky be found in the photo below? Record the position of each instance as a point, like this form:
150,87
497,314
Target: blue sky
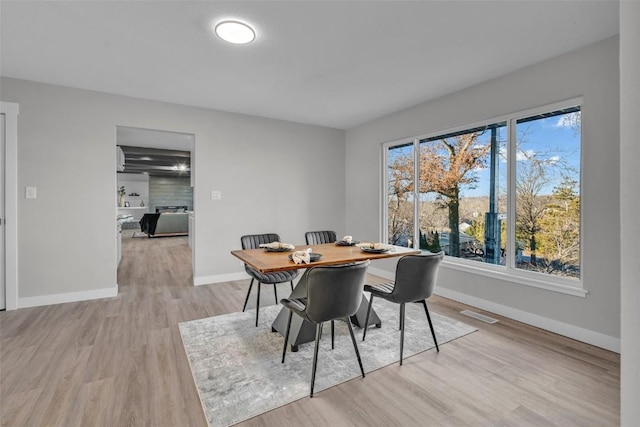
552,139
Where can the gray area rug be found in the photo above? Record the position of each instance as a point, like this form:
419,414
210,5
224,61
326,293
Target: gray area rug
237,369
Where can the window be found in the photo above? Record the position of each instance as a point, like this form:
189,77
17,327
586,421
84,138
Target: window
504,196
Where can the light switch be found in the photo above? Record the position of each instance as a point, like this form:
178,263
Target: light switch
216,195
30,192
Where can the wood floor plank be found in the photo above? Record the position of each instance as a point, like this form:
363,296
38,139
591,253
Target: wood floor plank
120,362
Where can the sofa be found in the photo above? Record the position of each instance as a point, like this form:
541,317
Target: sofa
165,224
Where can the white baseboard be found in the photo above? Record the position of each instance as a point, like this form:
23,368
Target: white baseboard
67,297
575,332
382,273
219,278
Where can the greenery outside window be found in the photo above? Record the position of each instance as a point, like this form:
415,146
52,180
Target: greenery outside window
503,195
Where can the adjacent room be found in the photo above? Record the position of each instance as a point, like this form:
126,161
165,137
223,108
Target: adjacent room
319,213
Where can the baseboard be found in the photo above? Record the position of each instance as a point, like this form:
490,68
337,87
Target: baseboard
67,297
571,331
219,278
381,273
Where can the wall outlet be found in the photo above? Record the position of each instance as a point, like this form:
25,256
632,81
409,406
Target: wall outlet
216,195
30,192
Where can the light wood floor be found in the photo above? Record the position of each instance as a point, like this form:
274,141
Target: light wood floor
120,362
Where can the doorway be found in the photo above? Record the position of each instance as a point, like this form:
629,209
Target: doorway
154,172
3,303
9,205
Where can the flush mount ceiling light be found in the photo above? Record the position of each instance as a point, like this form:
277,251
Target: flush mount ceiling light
235,32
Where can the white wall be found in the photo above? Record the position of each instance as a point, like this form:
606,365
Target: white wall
274,176
629,208
591,72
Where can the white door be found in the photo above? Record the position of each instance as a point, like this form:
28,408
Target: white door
2,220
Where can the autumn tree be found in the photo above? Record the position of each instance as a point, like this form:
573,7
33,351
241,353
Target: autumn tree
400,188
446,167
531,179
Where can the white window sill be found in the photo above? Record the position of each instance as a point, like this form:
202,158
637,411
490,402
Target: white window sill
475,267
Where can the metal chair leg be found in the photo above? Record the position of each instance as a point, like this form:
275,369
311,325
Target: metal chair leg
275,291
433,333
291,285
247,298
332,335
258,305
366,322
355,345
286,335
315,356
401,331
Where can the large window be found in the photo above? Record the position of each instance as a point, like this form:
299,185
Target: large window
505,194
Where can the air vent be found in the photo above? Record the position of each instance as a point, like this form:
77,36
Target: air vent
479,316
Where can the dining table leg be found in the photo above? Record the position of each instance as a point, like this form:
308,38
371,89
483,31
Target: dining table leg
302,331
360,317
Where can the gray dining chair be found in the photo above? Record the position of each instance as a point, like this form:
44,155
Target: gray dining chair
332,292
320,237
415,280
253,241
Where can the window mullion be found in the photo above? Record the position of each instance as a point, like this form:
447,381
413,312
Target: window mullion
511,194
416,193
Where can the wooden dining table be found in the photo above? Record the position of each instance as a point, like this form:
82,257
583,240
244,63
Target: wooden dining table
331,254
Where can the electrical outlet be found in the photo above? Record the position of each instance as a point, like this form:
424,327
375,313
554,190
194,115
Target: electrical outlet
216,195
30,192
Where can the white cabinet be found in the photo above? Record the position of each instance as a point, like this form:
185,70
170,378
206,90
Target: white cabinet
119,241
191,229
135,212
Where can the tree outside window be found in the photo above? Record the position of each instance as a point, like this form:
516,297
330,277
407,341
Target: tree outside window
461,188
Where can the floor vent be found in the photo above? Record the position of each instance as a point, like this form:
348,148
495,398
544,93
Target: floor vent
479,316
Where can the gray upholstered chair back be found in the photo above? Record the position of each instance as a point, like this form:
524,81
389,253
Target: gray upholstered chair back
334,292
416,277
320,237
253,241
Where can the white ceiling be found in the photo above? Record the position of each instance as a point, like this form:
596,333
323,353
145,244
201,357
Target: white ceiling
330,63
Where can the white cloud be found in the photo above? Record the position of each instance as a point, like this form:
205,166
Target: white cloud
503,154
525,155
553,160
568,120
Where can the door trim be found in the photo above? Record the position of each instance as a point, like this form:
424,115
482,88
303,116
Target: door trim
10,111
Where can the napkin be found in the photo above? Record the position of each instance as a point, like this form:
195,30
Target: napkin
347,239
376,246
301,257
277,245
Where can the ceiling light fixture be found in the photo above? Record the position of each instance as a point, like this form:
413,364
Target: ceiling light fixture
235,32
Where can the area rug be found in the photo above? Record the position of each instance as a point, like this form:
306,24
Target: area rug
238,371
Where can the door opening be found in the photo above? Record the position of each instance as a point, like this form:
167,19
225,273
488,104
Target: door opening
154,175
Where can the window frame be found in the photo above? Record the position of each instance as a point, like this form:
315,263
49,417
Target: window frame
509,272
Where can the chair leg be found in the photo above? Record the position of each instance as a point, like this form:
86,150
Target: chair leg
332,335
366,322
258,305
355,345
247,298
315,356
291,286
433,333
286,336
401,331
275,291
